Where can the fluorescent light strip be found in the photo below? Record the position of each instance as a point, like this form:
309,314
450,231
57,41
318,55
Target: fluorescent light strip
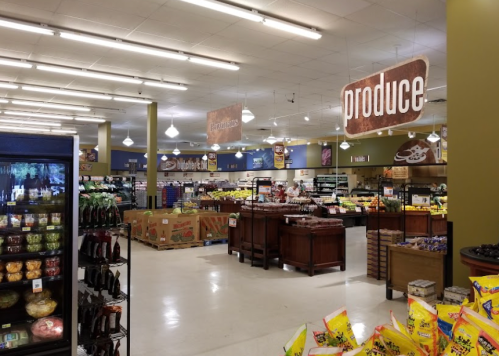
11,63
89,74
132,100
34,114
166,85
443,86
3,101
212,63
23,27
228,9
49,105
36,123
64,131
67,92
118,44
291,28
16,128
8,86
89,119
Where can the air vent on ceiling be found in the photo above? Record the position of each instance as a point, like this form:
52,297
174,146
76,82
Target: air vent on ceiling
438,101
263,129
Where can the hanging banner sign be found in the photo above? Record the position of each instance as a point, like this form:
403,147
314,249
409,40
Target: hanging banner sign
390,98
279,155
414,152
224,125
212,162
443,143
400,172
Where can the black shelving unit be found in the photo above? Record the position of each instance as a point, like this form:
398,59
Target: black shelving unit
103,298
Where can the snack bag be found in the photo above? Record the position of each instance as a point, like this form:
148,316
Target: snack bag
397,344
489,307
296,345
486,345
397,325
471,305
320,338
422,325
447,317
374,346
464,338
443,341
485,285
325,351
339,327
483,323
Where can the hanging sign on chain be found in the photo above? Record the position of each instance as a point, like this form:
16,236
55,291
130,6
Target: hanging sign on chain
212,162
279,155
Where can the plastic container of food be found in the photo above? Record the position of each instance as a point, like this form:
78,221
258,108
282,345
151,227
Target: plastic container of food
41,308
50,246
31,265
2,266
15,220
34,248
14,277
52,236
8,298
37,273
52,262
14,266
43,219
34,238
29,220
29,296
47,329
33,194
2,239
15,239
13,249
55,218
4,221
52,271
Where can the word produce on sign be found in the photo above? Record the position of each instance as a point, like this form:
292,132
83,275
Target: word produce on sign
224,125
387,99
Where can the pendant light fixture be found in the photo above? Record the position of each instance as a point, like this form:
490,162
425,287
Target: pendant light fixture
271,139
247,114
128,141
80,153
205,157
164,158
306,117
433,137
215,147
172,131
145,155
411,134
239,154
380,133
337,127
176,151
345,145
96,148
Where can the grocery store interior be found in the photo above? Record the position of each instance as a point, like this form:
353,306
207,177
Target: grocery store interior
248,177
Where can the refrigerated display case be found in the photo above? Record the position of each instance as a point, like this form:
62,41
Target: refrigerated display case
38,249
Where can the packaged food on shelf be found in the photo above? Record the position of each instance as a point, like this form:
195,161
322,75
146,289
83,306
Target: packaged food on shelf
4,221
31,265
55,219
49,328
456,295
29,220
13,249
43,219
29,296
8,298
36,273
52,271
52,261
32,238
14,239
15,220
421,288
41,308
433,244
52,237
50,246
14,338
34,248
14,266
14,277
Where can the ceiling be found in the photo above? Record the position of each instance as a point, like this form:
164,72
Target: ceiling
359,37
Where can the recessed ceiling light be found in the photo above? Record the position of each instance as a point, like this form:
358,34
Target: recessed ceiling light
23,128
35,114
24,122
165,85
292,28
8,86
90,119
4,101
49,105
66,92
212,63
133,100
89,74
16,25
228,9
11,63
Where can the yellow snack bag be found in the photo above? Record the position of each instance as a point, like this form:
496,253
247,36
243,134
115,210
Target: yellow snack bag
483,323
371,347
464,338
422,325
397,325
339,327
397,343
472,305
486,345
489,307
325,351
447,317
485,285
443,341
296,345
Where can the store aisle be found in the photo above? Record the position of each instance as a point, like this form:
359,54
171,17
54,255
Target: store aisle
203,302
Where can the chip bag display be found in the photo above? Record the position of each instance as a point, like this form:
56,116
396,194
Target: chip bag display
487,345
483,323
397,325
373,346
422,325
489,307
296,345
320,338
325,351
339,327
464,338
443,340
447,317
397,343
485,285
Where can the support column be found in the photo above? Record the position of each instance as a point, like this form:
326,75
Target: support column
473,74
104,142
152,154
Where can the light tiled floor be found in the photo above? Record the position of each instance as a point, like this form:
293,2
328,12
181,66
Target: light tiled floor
203,302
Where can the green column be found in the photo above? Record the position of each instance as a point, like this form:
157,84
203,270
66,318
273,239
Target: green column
152,150
104,142
472,77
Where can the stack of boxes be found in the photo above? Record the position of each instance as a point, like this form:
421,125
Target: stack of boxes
424,290
455,295
387,237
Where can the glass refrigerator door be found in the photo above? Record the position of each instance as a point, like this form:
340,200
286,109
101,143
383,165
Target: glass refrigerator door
35,258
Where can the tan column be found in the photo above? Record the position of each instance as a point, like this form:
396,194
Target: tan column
472,78
104,142
152,152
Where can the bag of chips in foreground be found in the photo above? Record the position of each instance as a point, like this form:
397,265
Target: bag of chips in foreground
464,338
489,307
422,325
486,345
339,327
397,343
325,351
296,345
483,323
397,325
447,317
485,285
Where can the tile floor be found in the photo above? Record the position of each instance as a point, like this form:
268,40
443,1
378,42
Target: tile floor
203,302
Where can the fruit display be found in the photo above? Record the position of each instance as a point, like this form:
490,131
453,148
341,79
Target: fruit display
417,208
272,207
487,250
348,205
392,205
232,194
373,206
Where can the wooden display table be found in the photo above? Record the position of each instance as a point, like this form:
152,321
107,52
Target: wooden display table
417,223
406,265
205,204
234,243
439,225
312,249
229,206
389,221
264,227
479,266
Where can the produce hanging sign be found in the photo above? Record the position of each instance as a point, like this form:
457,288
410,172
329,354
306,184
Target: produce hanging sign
414,152
224,125
212,162
279,155
387,99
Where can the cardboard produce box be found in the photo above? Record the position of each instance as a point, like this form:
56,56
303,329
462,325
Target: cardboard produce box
141,219
214,226
130,217
173,229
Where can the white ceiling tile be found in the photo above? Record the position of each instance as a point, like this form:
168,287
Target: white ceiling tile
160,41
381,18
40,12
302,49
144,8
282,57
231,45
253,35
192,35
338,7
426,10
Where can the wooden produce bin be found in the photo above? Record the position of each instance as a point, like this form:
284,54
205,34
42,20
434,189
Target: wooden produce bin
208,205
214,226
479,266
234,244
377,252
439,225
417,223
173,229
229,206
312,248
389,221
406,265
265,227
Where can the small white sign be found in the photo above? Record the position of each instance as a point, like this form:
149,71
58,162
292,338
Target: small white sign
332,211
343,211
165,221
37,285
358,209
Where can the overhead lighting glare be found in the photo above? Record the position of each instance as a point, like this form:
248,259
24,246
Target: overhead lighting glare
247,115
16,128
24,27
292,28
212,63
308,143
89,119
8,86
337,127
205,157
66,92
34,114
164,158
35,123
390,132
80,153
176,151
443,86
166,85
65,131
227,9
228,147
239,154
128,141
119,44
3,101
306,118
145,155
325,143
11,63
271,139
49,105
244,148
89,74
257,150
275,123
215,147
345,145
96,148
133,100
433,137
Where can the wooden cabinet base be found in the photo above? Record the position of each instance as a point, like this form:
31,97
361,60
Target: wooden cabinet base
478,266
234,243
312,249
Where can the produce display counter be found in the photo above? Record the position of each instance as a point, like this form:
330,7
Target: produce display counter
479,265
414,223
417,223
388,221
234,243
207,204
439,225
229,206
312,248
350,218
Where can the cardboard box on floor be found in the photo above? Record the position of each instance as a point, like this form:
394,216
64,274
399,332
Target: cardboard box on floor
173,228
130,217
214,226
142,220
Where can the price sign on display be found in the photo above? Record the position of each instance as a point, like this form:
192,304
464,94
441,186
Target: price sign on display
232,222
220,189
26,229
50,227
201,189
332,211
343,211
11,203
388,192
358,210
37,285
